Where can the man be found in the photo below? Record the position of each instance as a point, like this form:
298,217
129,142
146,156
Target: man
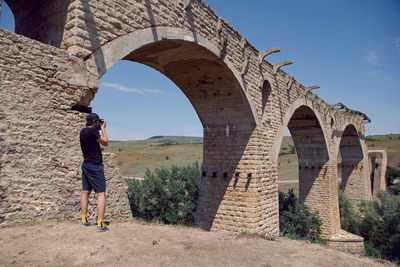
92,168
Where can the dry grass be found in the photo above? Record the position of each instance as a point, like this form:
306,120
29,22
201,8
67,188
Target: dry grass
390,143
135,157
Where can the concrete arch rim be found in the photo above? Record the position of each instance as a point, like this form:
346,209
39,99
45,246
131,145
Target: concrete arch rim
288,115
109,55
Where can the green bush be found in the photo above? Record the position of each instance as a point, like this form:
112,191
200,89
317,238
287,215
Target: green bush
349,220
295,219
381,226
167,195
292,149
391,174
378,223
370,139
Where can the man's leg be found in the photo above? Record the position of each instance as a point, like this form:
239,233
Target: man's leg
101,206
84,206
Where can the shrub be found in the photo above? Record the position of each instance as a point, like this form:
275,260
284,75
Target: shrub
379,224
391,174
292,149
370,139
348,217
295,219
167,195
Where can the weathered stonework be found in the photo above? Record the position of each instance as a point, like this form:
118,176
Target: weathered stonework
39,133
355,167
378,164
347,242
244,102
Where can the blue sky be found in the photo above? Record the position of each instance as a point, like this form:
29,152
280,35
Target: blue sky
351,48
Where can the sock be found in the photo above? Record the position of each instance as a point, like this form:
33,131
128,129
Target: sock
84,218
100,223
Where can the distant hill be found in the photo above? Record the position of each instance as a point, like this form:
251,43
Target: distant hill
158,140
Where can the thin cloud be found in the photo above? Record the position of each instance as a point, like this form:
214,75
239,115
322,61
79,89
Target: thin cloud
373,57
397,43
122,88
373,74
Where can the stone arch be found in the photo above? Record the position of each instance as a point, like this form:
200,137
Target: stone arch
214,86
355,183
317,184
285,121
216,91
41,20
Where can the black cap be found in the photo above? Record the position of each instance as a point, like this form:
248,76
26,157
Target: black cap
92,117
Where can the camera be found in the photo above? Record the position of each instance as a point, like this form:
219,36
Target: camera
99,126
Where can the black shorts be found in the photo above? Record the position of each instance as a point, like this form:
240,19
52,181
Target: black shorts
93,177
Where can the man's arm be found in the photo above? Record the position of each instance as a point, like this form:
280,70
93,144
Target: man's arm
103,138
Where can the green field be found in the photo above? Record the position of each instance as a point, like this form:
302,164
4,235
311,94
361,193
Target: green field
136,156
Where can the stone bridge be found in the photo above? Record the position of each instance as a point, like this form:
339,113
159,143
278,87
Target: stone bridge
50,71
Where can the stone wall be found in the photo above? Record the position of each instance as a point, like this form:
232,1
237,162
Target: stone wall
347,242
39,133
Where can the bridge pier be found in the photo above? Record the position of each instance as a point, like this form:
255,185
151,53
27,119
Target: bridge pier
239,187
318,190
378,164
230,190
355,175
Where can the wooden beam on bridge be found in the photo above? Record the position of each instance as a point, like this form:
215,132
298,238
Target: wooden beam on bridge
339,106
263,54
309,88
277,66
366,118
343,107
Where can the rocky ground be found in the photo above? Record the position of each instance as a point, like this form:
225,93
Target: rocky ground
133,243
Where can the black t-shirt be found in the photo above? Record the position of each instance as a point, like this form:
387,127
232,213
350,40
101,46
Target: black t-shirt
90,146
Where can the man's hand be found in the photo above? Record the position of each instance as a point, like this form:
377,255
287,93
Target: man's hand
103,125
103,139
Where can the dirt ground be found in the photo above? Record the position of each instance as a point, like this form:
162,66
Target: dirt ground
132,243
